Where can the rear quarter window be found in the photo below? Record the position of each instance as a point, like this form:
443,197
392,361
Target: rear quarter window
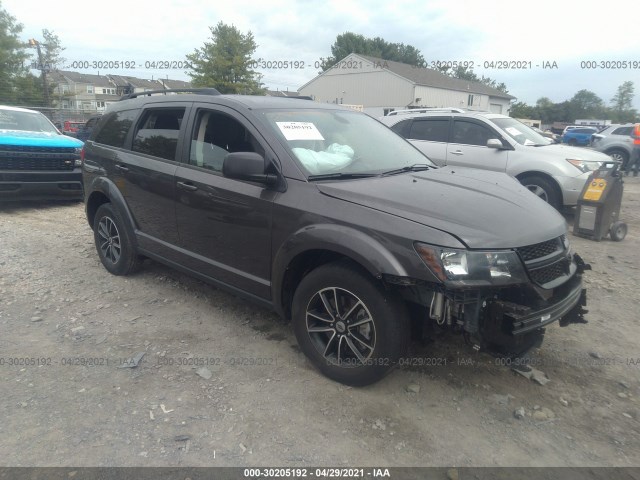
114,128
402,128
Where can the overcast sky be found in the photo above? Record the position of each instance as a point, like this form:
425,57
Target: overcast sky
565,32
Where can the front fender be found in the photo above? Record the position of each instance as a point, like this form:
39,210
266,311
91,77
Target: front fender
347,241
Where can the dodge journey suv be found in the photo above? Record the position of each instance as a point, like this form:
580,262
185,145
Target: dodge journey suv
332,220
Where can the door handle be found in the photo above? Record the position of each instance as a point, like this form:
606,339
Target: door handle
122,168
457,152
187,186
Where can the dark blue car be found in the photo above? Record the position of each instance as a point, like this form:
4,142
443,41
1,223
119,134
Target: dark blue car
36,160
579,136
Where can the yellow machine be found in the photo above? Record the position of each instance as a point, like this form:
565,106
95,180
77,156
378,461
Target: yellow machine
599,205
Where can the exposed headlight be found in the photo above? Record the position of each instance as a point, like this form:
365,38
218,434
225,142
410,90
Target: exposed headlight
584,165
472,268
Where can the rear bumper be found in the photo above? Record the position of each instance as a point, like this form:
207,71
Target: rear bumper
41,185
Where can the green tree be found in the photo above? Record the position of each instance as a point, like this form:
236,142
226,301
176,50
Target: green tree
52,51
13,56
621,104
225,62
349,42
586,104
522,110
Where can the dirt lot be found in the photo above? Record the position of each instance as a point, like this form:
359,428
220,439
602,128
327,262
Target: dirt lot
67,326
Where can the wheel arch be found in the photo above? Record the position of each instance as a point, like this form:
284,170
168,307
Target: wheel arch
534,173
624,152
105,191
314,246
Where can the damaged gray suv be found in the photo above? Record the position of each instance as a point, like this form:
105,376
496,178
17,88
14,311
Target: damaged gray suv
332,220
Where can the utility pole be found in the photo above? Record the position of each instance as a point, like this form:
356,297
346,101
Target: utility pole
43,70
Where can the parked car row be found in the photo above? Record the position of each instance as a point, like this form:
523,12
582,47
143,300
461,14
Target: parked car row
579,136
329,218
490,141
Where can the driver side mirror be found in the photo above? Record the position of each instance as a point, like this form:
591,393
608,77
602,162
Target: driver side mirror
495,143
248,166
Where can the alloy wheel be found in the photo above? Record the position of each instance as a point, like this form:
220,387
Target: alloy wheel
539,191
109,238
341,327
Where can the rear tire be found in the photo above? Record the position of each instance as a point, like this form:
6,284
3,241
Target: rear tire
544,189
114,242
350,328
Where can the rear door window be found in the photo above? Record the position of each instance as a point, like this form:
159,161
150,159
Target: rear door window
157,132
430,129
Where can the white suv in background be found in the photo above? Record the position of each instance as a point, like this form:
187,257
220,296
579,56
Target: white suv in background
490,141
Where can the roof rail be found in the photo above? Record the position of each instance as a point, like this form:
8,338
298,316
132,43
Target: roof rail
428,110
200,91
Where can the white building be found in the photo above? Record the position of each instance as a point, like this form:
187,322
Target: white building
382,86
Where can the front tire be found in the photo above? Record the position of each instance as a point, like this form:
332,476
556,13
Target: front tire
114,242
544,189
619,156
350,328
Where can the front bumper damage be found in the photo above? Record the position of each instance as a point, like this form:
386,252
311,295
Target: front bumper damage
507,320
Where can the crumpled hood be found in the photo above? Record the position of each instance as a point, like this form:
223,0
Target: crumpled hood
37,139
483,209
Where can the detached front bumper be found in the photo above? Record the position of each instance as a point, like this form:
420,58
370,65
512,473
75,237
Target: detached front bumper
41,185
517,319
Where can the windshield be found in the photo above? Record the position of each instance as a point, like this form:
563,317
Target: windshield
520,132
27,121
335,141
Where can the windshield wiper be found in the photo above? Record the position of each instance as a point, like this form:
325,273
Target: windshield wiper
417,167
340,176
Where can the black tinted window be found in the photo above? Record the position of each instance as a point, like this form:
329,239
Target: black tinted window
402,128
623,131
157,132
430,129
470,133
115,128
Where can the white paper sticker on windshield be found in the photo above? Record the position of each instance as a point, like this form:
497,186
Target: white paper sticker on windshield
528,142
513,131
299,131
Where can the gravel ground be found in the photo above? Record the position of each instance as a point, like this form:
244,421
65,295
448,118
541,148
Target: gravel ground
222,382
